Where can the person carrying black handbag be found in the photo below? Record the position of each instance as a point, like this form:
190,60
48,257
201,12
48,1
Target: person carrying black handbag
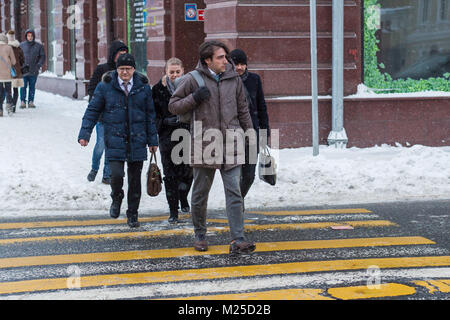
177,177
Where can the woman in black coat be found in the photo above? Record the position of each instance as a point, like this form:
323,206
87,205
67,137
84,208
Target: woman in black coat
177,177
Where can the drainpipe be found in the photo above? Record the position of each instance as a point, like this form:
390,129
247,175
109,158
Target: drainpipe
338,136
314,90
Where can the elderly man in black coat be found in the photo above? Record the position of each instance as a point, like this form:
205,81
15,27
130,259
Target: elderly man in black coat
115,50
124,97
257,108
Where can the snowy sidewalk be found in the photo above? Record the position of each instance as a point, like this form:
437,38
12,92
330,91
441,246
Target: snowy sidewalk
43,170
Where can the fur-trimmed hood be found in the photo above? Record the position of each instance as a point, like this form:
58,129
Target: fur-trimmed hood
14,43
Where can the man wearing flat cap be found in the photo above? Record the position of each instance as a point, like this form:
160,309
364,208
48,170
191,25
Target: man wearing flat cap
124,97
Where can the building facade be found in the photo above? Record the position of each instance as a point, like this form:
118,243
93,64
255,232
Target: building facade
410,40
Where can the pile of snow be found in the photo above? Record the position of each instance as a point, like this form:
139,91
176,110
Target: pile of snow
43,168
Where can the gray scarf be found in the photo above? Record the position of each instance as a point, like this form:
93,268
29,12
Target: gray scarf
170,86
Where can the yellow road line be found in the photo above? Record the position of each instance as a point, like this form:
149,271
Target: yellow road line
173,232
222,273
311,212
285,294
93,222
76,223
442,285
213,250
366,292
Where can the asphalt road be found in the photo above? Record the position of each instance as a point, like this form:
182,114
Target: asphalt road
370,251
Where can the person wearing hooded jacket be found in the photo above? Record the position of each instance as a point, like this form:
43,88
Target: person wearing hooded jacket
7,60
34,58
17,82
116,48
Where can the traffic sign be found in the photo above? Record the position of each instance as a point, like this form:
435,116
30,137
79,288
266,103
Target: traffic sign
190,12
201,14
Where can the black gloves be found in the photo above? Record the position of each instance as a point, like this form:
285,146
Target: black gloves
171,121
201,94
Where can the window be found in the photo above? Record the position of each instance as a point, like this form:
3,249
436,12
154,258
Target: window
413,38
72,41
30,13
443,10
137,36
50,36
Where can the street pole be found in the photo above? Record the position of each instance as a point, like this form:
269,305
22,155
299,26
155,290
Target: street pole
315,108
338,136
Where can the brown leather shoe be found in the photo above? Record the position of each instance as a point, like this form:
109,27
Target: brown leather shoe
239,246
200,244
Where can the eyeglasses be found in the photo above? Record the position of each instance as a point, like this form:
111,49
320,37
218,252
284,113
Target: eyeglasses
130,69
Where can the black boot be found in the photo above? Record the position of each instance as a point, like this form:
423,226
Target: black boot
114,211
173,218
132,220
91,176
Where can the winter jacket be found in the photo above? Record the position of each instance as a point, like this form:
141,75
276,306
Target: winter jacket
34,54
101,69
257,104
226,109
161,98
20,61
7,60
129,121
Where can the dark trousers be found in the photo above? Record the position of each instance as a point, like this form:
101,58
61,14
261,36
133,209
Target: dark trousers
247,178
5,90
177,180
134,170
15,96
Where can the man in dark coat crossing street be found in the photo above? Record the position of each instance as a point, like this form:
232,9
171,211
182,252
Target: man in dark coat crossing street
258,112
125,99
115,50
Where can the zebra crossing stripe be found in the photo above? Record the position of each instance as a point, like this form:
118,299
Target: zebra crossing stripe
213,250
311,212
93,222
175,232
223,273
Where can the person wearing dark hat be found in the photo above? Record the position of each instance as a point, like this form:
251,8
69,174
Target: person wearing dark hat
257,108
115,50
124,97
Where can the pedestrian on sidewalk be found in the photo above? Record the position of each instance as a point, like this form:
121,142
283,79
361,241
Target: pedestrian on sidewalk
17,82
177,177
258,112
125,99
7,60
34,59
219,105
115,50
